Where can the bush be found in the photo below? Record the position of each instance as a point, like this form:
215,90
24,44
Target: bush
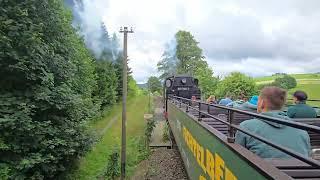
236,84
148,130
165,135
285,82
113,167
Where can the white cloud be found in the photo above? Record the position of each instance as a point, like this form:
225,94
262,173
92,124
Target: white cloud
253,36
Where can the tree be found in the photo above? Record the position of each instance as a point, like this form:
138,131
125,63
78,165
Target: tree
189,55
285,82
107,83
154,84
184,56
207,82
132,86
236,84
47,81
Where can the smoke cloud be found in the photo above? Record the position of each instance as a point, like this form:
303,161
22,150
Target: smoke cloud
88,20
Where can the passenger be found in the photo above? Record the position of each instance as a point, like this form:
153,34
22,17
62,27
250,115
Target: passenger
301,109
250,105
270,103
226,100
212,100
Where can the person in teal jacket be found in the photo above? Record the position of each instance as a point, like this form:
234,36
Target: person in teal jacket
270,103
301,109
250,105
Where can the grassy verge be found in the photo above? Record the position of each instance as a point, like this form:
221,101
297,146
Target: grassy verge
95,161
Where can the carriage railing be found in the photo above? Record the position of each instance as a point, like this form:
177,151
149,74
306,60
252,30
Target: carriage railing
232,128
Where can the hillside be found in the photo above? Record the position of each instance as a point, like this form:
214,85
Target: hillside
310,83
311,77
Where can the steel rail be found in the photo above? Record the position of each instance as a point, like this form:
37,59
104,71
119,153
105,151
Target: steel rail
290,152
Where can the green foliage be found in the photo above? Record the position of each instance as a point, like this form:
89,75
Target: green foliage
113,167
285,82
188,53
4,171
47,81
236,84
187,58
133,88
154,84
107,83
148,130
207,82
165,135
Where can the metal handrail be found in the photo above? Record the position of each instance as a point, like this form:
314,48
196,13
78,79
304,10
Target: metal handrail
264,117
290,152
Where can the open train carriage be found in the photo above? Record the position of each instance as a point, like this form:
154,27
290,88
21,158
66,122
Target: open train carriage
208,150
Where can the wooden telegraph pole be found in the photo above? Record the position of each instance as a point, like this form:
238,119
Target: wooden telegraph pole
125,32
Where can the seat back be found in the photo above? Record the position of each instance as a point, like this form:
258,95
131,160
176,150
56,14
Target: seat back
239,118
314,137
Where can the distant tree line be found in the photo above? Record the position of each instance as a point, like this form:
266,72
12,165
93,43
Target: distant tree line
51,86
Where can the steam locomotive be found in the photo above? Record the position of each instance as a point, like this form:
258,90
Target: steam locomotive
183,86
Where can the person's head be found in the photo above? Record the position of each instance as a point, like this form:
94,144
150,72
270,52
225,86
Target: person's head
271,98
228,95
211,98
299,96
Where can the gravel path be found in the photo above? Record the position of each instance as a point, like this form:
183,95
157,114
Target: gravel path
163,163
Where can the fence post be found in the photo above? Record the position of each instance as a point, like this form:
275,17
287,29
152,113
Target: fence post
231,137
199,118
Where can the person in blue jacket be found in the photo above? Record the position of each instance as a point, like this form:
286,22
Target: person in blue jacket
225,100
270,103
250,105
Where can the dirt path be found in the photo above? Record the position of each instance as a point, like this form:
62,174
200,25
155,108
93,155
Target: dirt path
163,163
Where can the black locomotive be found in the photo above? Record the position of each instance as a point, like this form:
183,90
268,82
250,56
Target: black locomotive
183,86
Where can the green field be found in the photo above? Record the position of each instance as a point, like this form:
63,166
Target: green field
109,128
297,76
310,83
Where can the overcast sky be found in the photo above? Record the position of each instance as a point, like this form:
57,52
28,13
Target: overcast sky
251,36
